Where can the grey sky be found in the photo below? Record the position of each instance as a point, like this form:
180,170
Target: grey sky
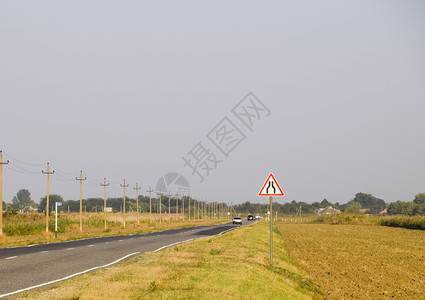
125,89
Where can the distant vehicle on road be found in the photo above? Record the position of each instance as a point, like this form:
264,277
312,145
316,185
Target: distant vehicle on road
251,218
258,217
237,220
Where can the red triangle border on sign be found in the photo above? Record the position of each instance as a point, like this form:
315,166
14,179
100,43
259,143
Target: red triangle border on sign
264,185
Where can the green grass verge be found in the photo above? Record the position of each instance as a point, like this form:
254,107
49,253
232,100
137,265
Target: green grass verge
234,265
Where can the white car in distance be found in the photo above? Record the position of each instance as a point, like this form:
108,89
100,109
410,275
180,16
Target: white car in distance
237,221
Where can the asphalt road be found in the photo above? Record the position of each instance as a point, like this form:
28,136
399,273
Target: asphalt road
25,268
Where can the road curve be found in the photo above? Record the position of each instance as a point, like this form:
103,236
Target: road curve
25,268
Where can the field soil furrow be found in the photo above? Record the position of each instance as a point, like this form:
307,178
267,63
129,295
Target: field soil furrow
359,261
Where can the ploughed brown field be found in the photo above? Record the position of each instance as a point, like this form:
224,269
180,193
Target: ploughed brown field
360,261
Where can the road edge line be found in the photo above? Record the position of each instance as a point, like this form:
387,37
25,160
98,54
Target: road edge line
69,276
170,245
107,265
173,244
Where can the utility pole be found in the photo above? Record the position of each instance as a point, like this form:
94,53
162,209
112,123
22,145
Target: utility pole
150,203
189,207
81,179
137,188
160,217
169,204
194,209
202,211
221,213
123,210
48,173
177,206
182,205
207,207
1,190
104,197
217,207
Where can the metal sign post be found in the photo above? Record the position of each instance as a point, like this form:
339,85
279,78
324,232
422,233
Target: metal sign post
271,230
271,188
56,218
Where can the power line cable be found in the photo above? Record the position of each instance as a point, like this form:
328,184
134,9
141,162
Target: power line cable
63,172
92,181
21,170
62,179
17,171
22,162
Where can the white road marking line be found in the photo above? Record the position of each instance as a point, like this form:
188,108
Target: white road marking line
99,237
163,247
95,268
90,245
44,251
68,277
11,257
120,240
70,249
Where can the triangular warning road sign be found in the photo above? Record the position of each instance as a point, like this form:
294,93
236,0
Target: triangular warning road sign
271,187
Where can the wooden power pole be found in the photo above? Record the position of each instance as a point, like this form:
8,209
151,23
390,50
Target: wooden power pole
81,179
48,173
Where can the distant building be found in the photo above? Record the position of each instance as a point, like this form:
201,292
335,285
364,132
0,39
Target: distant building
28,209
328,211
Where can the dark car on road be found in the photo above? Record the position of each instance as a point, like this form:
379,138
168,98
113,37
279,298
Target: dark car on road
251,218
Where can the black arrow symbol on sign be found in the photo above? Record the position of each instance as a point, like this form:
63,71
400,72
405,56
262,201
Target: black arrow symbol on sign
271,185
